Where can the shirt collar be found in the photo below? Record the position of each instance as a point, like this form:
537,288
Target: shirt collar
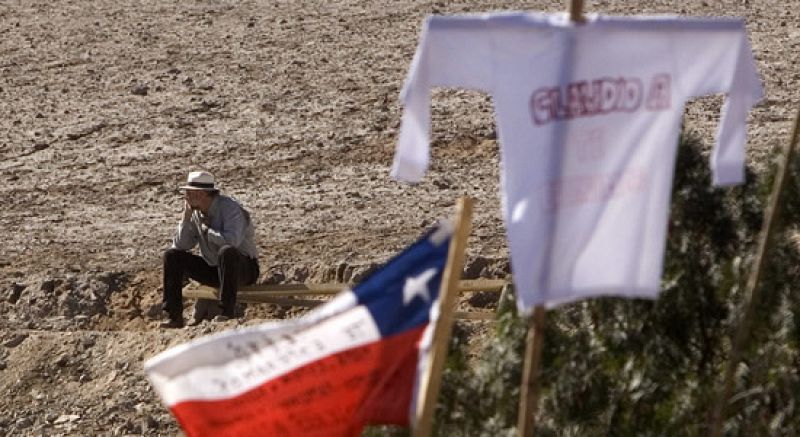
212,210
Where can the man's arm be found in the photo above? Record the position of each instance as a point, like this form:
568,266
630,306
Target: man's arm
234,225
186,236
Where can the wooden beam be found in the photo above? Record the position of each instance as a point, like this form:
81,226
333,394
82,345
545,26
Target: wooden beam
285,294
529,393
253,293
430,377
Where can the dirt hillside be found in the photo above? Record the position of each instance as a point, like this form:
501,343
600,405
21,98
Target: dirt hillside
293,105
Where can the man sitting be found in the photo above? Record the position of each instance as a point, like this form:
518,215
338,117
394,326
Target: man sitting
228,255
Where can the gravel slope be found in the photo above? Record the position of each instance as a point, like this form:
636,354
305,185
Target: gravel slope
294,106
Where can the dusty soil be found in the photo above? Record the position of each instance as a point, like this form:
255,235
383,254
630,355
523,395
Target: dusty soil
106,105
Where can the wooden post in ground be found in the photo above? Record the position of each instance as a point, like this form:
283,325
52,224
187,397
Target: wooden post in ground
529,390
771,218
576,11
430,381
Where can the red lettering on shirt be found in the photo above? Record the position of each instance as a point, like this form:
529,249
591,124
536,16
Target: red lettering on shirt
597,97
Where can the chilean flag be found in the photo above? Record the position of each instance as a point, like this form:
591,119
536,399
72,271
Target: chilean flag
351,362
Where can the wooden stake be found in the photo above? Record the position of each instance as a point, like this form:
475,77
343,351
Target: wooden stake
771,218
529,392
576,11
432,378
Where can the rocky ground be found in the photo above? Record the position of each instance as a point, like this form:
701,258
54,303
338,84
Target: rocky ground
106,105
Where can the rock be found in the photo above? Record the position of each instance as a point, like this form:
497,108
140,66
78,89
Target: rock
483,299
24,422
86,130
61,361
274,276
205,309
124,428
475,267
40,146
361,272
155,311
66,418
88,342
48,286
134,428
343,272
300,273
149,423
16,340
16,292
140,89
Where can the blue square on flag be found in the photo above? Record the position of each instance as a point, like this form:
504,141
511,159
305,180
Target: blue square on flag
349,363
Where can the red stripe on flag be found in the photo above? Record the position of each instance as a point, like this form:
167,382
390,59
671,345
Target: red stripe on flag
334,396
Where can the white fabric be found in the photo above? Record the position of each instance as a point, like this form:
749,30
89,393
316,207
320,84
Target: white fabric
233,362
588,119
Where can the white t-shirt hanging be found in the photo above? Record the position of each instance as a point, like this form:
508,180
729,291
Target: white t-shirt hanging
588,119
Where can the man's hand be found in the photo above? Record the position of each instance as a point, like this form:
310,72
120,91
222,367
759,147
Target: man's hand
187,211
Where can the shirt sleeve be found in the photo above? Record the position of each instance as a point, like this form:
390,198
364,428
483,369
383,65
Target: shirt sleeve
721,61
234,226
453,52
186,236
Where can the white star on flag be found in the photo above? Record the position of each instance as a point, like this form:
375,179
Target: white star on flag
418,285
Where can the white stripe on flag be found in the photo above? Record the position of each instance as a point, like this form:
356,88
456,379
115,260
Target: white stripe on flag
231,364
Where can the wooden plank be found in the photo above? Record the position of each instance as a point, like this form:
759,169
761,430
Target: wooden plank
287,301
475,315
253,293
494,285
285,295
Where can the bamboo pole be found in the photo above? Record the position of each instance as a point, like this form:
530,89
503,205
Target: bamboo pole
751,297
430,381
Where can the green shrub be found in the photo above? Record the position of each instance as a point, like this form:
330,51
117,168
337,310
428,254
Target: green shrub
623,367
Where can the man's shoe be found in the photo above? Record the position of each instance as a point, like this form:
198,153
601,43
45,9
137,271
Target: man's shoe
221,318
172,324
229,312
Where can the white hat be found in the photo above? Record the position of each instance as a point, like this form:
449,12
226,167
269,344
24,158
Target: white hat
199,180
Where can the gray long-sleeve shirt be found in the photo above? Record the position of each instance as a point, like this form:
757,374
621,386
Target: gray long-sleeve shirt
227,223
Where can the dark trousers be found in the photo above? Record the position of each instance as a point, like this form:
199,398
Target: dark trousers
233,269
